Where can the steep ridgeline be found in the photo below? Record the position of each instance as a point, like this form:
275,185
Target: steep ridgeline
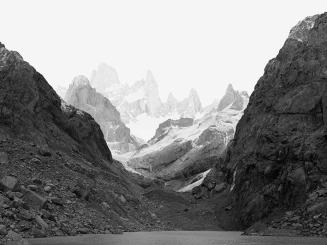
31,110
278,158
81,95
57,175
182,150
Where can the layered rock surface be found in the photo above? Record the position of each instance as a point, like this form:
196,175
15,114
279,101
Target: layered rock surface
278,158
81,95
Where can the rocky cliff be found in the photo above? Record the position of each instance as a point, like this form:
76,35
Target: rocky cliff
81,95
278,158
31,109
57,175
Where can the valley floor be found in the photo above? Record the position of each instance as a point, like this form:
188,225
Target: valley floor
180,211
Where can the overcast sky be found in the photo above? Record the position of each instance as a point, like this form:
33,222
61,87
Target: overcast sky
199,44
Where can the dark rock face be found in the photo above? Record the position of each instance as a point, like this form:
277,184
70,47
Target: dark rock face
232,98
81,95
278,155
163,128
48,150
31,109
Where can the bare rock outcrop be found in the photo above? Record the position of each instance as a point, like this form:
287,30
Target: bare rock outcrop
278,157
31,109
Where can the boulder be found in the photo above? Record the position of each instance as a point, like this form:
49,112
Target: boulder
34,200
317,208
3,200
3,230
83,230
38,233
41,223
220,187
8,183
14,238
3,157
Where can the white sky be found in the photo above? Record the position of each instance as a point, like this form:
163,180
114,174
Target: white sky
186,43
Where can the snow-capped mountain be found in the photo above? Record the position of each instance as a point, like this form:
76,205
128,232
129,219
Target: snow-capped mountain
81,95
139,104
183,149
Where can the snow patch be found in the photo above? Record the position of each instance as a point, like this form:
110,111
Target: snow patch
144,126
195,184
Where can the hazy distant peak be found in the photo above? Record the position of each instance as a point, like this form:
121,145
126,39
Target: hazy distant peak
80,81
150,78
233,99
193,91
230,88
104,77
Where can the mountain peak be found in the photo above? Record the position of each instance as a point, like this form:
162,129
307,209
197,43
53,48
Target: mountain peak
150,78
230,88
232,99
104,77
80,81
193,92
2,45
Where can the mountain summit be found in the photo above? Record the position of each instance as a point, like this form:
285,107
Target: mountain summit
233,99
104,77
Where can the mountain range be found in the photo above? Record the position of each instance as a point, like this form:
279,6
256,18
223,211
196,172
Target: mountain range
255,163
183,149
